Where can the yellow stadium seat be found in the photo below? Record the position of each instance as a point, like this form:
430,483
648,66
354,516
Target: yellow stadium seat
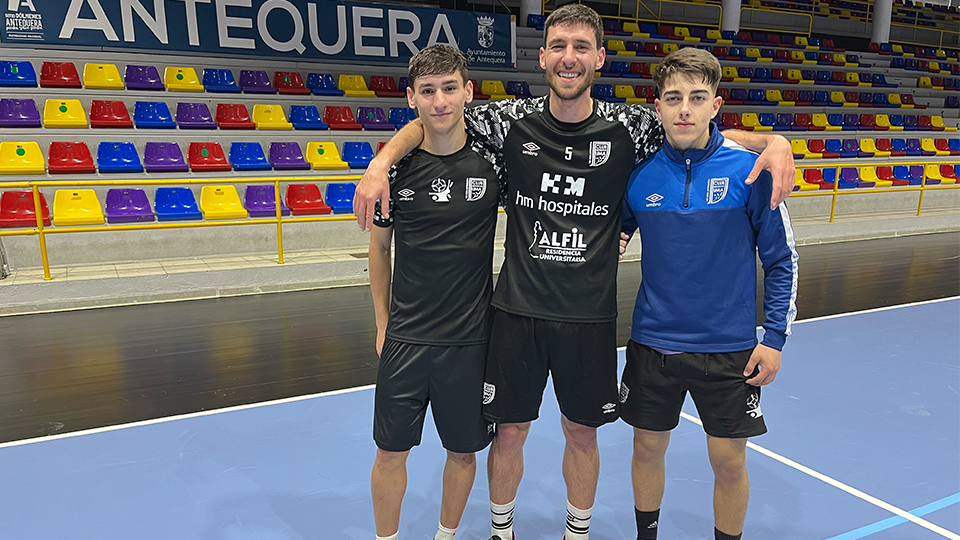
795,75
751,120
800,41
800,147
627,92
924,82
940,53
681,31
927,145
102,77
181,79
64,113
840,57
670,47
731,72
855,79
619,46
716,35
804,185
775,95
221,202
820,120
937,122
76,207
495,90
633,28
324,155
894,99
898,49
869,145
837,97
799,56
753,52
21,158
883,121
270,117
933,173
933,67
355,86
869,174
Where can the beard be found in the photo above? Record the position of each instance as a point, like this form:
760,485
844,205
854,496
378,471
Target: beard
569,94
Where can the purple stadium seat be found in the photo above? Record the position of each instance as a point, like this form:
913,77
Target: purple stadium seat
287,156
851,122
19,113
128,205
784,122
256,82
194,116
261,202
142,78
163,157
850,178
522,90
373,118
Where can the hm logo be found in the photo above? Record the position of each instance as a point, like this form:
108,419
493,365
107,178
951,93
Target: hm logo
551,183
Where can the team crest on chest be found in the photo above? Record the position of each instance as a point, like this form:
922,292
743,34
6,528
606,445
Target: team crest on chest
476,188
599,153
717,189
441,190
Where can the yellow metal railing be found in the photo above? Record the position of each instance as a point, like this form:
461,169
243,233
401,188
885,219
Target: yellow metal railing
41,232
836,191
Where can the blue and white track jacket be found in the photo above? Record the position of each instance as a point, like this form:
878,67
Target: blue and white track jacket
701,228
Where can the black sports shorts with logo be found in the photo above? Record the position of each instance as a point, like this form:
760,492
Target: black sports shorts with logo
581,357
654,386
450,379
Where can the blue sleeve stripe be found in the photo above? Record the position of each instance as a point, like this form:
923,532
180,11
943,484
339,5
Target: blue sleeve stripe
794,257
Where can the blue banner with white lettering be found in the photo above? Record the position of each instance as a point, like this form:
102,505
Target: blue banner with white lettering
293,29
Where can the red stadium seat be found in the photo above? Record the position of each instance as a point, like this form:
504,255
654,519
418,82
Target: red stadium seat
70,158
207,157
385,86
340,118
289,82
59,75
305,200
109,114
234,116
17,210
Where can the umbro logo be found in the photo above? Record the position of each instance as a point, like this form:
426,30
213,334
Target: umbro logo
406,194
654,200
531,148
609,408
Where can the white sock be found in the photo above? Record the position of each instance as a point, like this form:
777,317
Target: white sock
444,533
393,536
578,522
501,516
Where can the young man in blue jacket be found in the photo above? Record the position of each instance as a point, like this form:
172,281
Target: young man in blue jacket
693,324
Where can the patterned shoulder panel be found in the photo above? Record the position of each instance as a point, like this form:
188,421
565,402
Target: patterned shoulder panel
489,123
495,159
378,219
642,123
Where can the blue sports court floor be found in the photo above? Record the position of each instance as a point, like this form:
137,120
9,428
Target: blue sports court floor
864,439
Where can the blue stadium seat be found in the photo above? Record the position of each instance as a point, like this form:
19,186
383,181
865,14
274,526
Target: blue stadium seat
323,84
152,114
248,156
176,204
340,197
400,116
306,117
17,74
357,154
118,157
220,80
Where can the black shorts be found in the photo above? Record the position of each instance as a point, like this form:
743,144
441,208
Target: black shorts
654,387
449,378
582,357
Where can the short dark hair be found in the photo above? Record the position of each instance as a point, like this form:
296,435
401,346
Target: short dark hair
575,14
437,60
692,62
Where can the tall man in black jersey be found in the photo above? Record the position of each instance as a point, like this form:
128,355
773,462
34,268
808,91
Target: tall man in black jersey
568,159
432,331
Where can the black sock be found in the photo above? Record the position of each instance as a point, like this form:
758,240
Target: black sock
647,523
721,536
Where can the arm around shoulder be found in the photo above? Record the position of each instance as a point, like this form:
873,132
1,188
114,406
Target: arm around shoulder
375,184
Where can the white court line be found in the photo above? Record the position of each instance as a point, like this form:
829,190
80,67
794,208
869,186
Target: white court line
874,310
840,485
153,421
345,391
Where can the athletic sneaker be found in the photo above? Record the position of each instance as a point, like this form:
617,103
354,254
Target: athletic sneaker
498,538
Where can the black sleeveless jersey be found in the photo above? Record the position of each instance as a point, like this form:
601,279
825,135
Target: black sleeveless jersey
444,213
564,201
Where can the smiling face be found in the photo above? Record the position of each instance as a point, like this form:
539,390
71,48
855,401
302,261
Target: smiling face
570,58
685,107
440,100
